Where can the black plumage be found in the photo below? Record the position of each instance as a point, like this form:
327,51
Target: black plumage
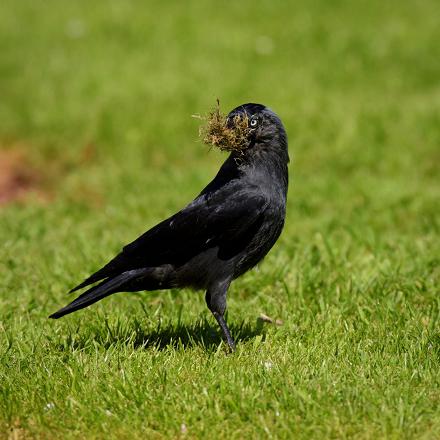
221,234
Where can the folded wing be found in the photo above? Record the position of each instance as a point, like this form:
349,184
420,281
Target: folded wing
226,219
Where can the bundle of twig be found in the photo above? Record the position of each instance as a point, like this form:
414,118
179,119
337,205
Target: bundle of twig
223,134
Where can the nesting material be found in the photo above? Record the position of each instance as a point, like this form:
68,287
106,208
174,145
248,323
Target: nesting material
216,132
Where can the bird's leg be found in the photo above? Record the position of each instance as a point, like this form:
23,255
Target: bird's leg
225,330
216,301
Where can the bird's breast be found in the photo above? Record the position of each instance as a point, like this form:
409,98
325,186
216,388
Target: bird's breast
263,241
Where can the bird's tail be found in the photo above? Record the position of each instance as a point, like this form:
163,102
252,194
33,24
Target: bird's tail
94,294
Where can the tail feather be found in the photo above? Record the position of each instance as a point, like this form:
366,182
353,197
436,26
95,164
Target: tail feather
97,276
90,280
94,294
112,268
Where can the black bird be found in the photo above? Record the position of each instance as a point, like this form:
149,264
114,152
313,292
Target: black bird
221,234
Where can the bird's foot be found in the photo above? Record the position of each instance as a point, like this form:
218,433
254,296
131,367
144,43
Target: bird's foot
225,331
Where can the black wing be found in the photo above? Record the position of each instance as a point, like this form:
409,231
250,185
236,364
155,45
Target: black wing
226,218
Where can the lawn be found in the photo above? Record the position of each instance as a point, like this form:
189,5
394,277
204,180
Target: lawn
96,99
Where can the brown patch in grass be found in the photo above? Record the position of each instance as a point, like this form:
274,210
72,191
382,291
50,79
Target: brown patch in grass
24,173
218,133
17,432
17,176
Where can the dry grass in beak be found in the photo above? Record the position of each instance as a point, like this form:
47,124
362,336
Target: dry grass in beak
217,133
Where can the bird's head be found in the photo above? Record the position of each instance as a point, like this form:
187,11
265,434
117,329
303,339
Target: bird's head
245,128
262,124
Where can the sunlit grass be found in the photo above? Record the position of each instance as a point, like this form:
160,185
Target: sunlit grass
99,96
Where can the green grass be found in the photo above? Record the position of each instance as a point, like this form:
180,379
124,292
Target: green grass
354,276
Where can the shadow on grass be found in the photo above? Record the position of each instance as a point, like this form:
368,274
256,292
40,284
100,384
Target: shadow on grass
178,335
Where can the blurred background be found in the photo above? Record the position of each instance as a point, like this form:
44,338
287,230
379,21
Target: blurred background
97,140
98,144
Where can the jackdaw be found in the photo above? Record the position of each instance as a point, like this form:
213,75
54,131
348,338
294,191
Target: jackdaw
220,235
